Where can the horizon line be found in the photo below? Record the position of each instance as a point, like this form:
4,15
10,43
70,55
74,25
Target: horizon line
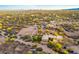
36,7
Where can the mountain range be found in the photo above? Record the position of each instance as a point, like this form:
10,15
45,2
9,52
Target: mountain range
72,9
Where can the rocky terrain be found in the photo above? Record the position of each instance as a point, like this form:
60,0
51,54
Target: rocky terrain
39,32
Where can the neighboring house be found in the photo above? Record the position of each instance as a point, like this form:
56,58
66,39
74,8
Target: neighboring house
46,37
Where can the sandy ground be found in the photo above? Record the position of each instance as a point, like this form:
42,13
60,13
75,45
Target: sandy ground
44,47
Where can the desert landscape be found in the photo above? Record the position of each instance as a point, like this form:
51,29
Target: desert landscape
39,32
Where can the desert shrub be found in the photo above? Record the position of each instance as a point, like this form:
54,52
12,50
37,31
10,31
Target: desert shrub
36,38
26,38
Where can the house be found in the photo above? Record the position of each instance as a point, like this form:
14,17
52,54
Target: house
28,31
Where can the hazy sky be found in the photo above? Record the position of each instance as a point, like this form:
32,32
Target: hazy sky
46,7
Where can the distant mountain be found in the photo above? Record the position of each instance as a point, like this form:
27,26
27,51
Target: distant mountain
73,9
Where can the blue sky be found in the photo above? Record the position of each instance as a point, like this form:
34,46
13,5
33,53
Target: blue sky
45,7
